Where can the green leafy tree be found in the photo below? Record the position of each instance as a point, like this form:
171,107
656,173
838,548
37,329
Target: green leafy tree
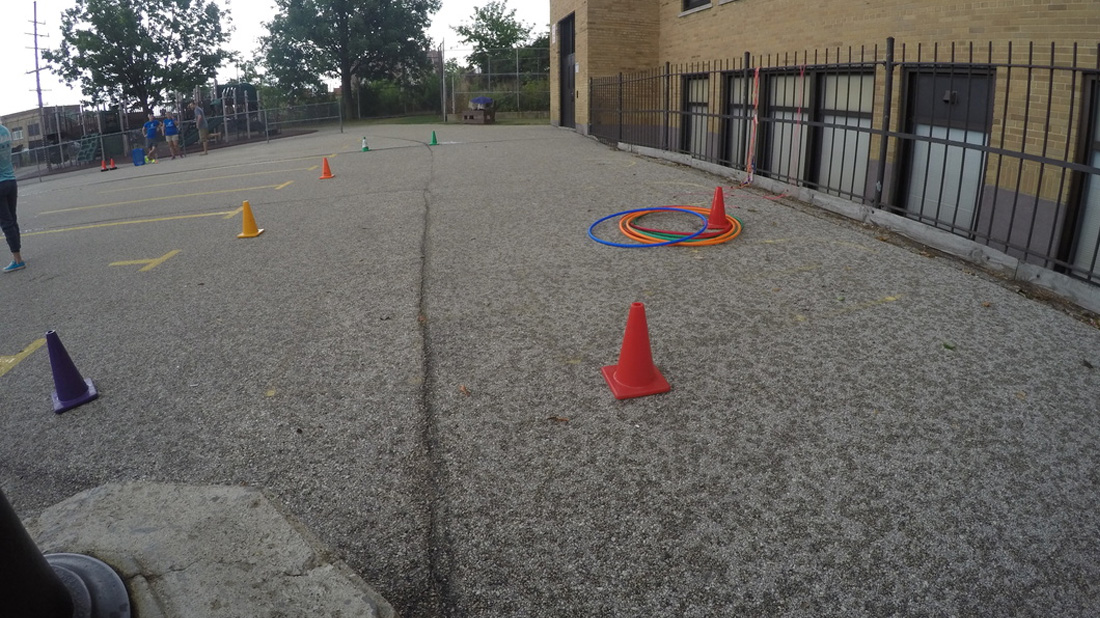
139,50
493,32
345,38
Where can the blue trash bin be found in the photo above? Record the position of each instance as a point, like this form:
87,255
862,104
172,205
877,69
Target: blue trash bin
139,156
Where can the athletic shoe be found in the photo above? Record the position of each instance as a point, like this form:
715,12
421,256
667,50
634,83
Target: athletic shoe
14,266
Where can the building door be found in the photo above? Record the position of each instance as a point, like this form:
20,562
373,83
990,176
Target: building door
943,181
1086,254
568,65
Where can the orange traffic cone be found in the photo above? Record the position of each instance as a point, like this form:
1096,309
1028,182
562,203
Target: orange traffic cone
326,173
102,165
248,223
717,218
112,165
635,375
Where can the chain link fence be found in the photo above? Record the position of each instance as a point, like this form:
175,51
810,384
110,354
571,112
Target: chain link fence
516,79
96,138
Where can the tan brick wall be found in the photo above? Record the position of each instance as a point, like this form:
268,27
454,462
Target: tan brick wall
777,26
629,35
613,36
619,35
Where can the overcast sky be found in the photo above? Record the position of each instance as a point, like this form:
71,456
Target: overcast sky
17,83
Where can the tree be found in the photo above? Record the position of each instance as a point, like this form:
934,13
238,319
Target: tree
493,33
139,50
344,38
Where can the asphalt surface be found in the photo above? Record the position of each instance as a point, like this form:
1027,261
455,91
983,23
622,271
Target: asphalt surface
408,360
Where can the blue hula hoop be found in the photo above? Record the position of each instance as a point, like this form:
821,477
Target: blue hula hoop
643,245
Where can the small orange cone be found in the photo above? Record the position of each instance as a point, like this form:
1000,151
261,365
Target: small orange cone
326,173
717,218
248,223
102,165
112,165
635,375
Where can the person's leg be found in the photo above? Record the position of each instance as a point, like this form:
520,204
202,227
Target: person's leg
8,196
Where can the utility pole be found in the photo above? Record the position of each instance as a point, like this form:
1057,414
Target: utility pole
38,87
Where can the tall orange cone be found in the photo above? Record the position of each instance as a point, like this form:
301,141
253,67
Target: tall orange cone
326,173
717,218
248,223
103,165
113,166
635,375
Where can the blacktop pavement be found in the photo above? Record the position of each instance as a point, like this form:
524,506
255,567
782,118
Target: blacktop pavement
390,403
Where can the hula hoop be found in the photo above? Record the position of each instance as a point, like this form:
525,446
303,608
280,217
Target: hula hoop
647,235
647,244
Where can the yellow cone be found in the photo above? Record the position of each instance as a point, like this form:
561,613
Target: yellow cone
248,223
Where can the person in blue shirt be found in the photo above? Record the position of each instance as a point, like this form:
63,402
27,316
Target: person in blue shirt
150,129
8,194
171,133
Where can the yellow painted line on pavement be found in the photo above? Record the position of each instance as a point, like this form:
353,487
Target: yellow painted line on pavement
7,363
208,179
159,199
284,185
314,168
149,264
114,223
235,212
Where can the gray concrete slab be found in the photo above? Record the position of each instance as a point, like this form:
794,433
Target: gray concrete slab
408,361
205,551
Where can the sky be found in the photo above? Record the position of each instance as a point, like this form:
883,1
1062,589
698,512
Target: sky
17,80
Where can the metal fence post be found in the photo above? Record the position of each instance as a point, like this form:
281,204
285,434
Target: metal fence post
668,105
57,585
620,106
887,104
28,585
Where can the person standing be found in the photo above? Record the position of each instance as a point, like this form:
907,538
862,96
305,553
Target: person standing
151,138
8,194
200,124
171,133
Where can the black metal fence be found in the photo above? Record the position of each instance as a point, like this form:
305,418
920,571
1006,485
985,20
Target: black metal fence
1000,145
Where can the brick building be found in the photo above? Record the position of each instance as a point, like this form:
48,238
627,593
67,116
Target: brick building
55,124
980,118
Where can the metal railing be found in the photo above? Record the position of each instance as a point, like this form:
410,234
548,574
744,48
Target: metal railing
1000,145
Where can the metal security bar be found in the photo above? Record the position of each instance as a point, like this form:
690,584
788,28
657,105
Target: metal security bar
999,145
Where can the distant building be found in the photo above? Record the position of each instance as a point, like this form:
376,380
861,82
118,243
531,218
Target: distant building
55,124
